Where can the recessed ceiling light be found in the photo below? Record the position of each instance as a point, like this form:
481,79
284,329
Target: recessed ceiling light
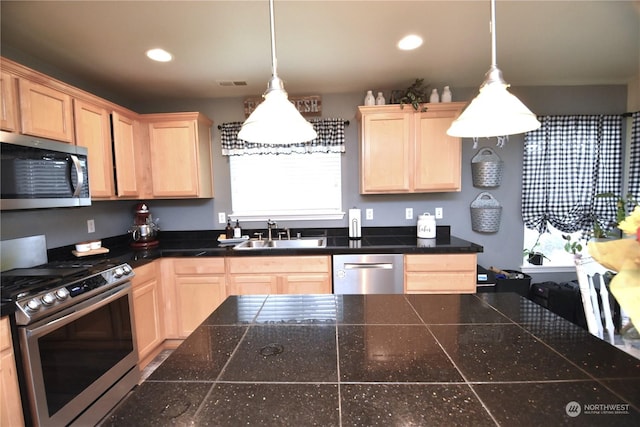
159,55
410,42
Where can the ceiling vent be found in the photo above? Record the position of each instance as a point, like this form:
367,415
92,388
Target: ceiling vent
231,83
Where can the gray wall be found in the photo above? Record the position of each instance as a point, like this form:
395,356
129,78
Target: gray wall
502,249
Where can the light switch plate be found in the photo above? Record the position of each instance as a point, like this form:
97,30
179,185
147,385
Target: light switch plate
221,218
439,213
91,226
369,213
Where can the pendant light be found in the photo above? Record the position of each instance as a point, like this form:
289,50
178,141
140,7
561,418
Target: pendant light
495,111
276,120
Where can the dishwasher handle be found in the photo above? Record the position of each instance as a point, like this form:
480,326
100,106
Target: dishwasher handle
365,265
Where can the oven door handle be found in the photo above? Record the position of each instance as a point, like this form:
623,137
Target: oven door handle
72,313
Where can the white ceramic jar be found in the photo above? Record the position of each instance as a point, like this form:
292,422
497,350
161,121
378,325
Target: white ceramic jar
426,226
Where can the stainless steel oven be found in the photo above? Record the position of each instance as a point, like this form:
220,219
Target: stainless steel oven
77,341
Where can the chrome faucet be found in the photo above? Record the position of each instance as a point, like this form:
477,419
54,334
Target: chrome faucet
271,225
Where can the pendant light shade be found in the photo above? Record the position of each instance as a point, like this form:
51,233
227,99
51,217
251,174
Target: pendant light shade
276,120
494,111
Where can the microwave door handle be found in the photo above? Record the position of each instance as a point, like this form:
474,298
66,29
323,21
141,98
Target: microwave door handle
79,175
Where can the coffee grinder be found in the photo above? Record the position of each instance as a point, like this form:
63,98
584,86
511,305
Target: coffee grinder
144,231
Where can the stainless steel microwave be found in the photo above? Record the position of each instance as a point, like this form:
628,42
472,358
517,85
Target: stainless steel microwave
42,173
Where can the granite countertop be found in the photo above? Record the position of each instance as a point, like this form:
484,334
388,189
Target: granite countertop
381,360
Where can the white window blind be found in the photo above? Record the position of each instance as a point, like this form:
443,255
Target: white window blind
293,186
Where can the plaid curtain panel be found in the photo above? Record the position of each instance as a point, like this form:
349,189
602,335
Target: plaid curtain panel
567,161
330,140
634,161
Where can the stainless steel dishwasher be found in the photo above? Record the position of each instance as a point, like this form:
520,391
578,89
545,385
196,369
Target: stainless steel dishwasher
368,274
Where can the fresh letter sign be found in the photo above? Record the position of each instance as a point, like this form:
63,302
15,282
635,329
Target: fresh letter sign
309,105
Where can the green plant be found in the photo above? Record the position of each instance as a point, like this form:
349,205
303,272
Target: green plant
534,256
621,213
571,247
415,95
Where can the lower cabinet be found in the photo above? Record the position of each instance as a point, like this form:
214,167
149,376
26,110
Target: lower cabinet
194,287
10,403
440,274
279,275
148,312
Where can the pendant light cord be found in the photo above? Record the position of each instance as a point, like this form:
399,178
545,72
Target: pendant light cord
492,28
274,61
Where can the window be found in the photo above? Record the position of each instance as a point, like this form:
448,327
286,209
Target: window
567,162
293,186
295,181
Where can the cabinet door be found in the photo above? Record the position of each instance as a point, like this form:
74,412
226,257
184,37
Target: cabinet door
385,153
437,155
174,158
146,311
309,283
45,112
448,273
10,403
253,284
124,140
8,103
196,298
93,130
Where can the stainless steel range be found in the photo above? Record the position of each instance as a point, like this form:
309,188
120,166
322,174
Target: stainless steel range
76,334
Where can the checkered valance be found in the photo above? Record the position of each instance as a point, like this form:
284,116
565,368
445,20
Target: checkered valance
567,161
634,161
330,140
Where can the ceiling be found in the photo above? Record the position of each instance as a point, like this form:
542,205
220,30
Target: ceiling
323,46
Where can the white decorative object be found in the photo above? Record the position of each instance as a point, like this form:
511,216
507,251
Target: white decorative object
380,99
434,96
369,99
446,94
426,226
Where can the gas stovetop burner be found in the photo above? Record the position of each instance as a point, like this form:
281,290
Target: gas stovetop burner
46,289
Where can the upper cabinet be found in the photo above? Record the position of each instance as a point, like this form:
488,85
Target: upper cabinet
45,112
93,130
130,148
407,151
8,103
180,155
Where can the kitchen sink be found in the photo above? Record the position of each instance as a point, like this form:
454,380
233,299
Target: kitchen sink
301,243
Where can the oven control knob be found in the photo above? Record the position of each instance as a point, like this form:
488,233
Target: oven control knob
33,305
127,270
62,294
48,299
118,273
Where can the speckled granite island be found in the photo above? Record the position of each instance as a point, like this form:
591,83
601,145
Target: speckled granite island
387,360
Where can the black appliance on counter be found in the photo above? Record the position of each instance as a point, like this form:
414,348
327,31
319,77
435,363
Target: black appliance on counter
76,338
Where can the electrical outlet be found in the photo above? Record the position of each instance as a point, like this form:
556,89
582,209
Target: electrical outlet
91,226
408,213
369,213
221,218
439,213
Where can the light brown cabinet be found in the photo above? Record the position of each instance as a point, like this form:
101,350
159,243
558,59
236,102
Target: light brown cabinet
279,275
127,151
180,155
407,151
93,130
8,103
148,312
10,403
44,111
440,274
194,288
